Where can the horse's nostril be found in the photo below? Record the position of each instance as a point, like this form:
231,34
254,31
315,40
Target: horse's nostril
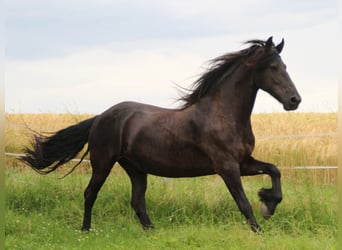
295,100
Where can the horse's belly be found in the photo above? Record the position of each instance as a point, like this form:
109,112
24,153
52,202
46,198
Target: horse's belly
171,161
181,171
177,171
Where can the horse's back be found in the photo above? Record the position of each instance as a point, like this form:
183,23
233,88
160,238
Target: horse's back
114,127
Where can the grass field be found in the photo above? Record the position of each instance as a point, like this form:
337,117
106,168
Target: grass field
44,212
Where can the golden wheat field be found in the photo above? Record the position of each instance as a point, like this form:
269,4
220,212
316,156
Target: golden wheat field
285,139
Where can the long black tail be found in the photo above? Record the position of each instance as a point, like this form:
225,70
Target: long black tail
50,152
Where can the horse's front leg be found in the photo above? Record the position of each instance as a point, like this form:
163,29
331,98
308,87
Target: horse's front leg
230,173
270,198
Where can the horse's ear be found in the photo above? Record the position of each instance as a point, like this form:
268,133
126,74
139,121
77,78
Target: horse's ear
269,42
280,46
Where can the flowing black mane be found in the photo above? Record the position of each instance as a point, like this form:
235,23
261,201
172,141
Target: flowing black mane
223,66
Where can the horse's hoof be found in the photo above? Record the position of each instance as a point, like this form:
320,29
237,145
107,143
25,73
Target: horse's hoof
256,228
85,230
265,211
148,227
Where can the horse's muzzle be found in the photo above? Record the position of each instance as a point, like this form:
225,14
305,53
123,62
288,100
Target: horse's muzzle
293,103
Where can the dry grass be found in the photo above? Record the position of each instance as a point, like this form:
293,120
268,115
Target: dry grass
298,151
17,129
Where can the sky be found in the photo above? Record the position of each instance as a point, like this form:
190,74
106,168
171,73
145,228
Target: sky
84,56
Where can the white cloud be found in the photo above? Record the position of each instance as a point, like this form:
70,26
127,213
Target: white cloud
93,79
207,9
145,68
99,76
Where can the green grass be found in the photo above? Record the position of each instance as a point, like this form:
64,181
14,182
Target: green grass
44,212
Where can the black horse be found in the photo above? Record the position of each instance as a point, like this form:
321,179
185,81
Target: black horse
210,134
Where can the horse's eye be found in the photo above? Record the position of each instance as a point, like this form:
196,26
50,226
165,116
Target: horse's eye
274,66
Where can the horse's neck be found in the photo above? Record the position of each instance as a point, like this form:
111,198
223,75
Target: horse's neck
235,98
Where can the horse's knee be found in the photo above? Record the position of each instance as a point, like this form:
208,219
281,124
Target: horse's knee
274,171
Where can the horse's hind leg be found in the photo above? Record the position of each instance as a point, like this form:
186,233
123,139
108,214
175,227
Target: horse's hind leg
101,169
139,186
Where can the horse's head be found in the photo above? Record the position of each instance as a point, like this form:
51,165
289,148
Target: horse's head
272,77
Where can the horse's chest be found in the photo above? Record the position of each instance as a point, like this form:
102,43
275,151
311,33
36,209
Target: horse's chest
240,147
247,148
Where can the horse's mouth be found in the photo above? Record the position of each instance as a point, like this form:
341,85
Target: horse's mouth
289,107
